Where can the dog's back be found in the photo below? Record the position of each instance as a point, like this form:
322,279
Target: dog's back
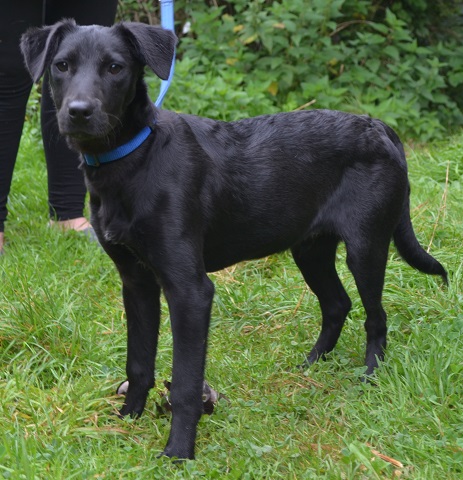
341,136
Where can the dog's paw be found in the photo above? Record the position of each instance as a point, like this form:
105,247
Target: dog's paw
127,411
134,403
177,455
369,379
210,399
123,388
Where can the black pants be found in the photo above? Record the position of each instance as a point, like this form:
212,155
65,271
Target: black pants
66,189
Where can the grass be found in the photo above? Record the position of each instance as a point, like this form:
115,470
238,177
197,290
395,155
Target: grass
62,354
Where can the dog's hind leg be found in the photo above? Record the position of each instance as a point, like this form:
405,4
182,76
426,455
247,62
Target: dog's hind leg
316,260
367,262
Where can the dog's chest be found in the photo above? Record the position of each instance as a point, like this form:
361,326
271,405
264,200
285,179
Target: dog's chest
112,219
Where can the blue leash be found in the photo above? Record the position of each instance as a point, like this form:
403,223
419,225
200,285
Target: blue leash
167,22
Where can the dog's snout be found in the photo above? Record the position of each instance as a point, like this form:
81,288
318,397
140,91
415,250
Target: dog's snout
80,110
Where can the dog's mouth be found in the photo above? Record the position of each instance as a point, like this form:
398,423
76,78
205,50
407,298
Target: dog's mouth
100,134
87,140
91,125
77,135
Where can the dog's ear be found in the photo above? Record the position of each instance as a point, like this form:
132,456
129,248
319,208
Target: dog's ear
39,46
153,45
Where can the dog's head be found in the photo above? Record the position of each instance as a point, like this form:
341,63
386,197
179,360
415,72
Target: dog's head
95,71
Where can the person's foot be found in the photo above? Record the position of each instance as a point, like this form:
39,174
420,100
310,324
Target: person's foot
81,225
77,224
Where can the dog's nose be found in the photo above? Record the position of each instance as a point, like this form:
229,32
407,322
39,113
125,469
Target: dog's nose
80,110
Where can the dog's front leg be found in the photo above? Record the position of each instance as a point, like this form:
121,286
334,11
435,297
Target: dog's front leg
142,306
141,294
190,308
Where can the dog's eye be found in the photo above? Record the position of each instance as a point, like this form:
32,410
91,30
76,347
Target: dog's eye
62,66
114,69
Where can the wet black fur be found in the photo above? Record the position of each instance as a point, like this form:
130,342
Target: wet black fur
200,195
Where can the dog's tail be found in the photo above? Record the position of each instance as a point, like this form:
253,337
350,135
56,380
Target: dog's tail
409,248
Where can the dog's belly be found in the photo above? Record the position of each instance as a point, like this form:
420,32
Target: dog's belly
221,251
220,259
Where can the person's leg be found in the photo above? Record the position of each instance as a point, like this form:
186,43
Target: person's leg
15,86
66,188
85,12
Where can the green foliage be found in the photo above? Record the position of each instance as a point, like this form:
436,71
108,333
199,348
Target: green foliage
402,64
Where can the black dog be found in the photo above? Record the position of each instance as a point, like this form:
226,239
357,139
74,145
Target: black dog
198,195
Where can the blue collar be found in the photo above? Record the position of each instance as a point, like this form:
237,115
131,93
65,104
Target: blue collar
119,152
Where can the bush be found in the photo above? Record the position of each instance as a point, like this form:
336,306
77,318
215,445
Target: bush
402,64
